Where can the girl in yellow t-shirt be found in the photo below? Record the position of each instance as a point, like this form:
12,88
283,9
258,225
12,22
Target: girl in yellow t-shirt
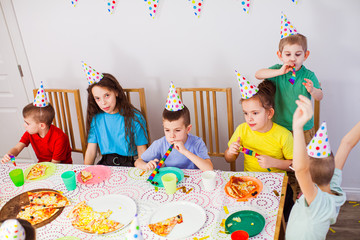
272,142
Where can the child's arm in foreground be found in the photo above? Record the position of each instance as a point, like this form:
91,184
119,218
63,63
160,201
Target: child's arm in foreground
270,73
90,154
347,144
202,164
301,161
14,151
232,152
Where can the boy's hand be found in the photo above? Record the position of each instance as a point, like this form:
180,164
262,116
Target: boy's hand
309,85
179,145
151,164
303,112
234,147
285,69
5,159
265,161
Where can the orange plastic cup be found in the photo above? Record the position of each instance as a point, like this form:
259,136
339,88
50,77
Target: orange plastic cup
239,235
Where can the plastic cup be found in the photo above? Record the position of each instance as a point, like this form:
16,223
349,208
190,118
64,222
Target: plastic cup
69,180
17,177
169,182
239,235
209,180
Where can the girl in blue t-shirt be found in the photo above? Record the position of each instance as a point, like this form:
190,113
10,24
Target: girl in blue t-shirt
113,124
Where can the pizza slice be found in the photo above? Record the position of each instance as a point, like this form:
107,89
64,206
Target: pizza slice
86,176
240,188
36,213
48,199
38,170
108,225
163,228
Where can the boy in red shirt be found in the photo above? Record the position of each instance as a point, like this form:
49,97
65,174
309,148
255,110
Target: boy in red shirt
50,143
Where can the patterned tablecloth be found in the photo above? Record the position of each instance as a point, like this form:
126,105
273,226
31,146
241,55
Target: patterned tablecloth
127,181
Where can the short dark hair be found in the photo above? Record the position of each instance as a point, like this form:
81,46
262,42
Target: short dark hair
293,39
176,115
322,169
39,114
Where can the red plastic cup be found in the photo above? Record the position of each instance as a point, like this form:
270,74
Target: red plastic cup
239,235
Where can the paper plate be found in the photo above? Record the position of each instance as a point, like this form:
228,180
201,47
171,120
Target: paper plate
162,171
246,178
123,208
250,221
193,215
100,173
48,172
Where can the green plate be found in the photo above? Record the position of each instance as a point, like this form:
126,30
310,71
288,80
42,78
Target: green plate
49,171
250,221
164,170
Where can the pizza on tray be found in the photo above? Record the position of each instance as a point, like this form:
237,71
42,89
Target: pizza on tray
242,187
87,220
43,205
163,228
38,170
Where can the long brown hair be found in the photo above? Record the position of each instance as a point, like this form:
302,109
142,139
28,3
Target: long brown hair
125,108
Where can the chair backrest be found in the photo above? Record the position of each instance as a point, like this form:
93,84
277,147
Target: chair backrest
316,115
59,99
206,98
141,103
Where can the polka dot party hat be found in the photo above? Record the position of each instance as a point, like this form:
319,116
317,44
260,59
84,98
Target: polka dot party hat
111,4
294,1
247,90
245,4
319,146
173,101
12,229
134,232
196,6
152,6
41,99
91,74
74,2
287,29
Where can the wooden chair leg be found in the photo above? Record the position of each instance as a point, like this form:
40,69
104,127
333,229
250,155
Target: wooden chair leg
282,229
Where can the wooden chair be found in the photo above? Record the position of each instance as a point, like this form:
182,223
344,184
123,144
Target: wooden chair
316,115
59,99
209,120
141,103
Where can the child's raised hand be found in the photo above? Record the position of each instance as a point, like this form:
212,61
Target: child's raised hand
151,164
235,147
303,112
285,69
309,85
179,145
6,158
265,161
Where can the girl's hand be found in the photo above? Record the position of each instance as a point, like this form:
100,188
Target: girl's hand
265,161
151,165
235,147
285,69
5,159
309,85
303,113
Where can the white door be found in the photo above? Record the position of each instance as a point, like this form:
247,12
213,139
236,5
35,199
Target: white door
12,95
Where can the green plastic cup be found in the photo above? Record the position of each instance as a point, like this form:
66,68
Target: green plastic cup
169,182
17,177
69,180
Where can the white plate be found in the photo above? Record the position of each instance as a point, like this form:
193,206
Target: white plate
193,215
123,208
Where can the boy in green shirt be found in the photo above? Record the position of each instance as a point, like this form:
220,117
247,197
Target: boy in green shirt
292,53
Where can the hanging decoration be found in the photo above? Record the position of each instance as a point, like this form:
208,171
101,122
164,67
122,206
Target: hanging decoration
74,2
245,5
197,6
111,4
152,6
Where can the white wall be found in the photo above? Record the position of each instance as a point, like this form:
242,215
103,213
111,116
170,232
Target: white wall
176,46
